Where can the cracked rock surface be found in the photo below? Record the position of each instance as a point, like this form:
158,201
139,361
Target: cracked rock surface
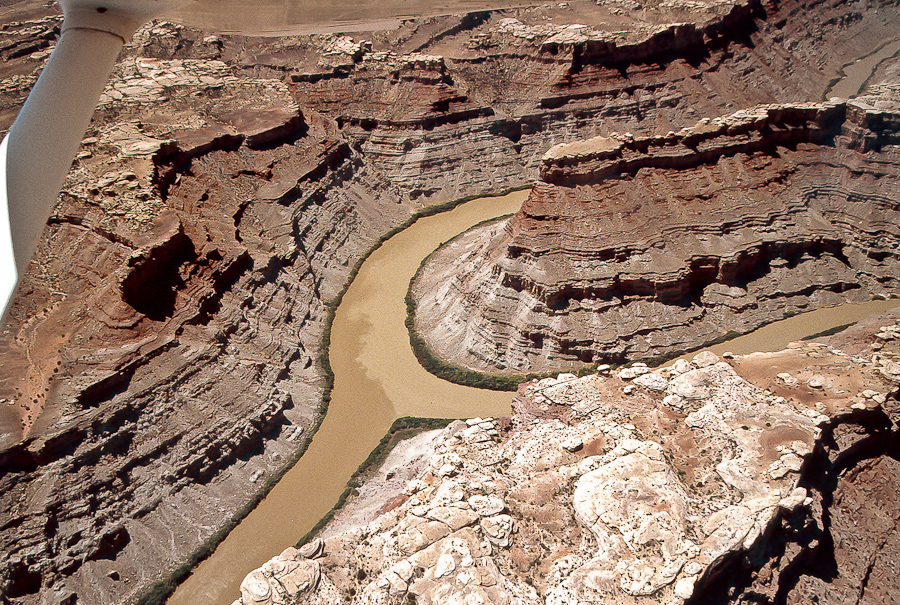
738,489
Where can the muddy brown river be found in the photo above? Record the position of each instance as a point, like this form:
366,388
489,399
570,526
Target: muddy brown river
776,336
377,379
856,75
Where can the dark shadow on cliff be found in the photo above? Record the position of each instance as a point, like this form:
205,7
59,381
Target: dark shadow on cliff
797,544
152,284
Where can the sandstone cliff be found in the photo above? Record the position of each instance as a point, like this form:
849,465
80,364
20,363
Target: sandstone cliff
160,366
764,478
631,246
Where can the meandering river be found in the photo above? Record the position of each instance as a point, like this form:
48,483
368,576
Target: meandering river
377,379
856,75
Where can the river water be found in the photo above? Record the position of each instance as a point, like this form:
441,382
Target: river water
775,336
377,378
857,74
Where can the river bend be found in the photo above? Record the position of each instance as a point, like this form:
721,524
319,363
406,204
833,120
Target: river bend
378,379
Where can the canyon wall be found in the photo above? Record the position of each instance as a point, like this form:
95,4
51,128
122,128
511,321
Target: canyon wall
631,247
160,361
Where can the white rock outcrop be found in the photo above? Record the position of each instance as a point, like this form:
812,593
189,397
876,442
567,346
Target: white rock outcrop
662,486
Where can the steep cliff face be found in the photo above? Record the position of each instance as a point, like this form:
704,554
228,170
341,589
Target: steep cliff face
172,365
159,364
160,360
630,246
706,482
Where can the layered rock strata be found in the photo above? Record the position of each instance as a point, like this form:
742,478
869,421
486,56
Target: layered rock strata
631,247
708,481
159,365
169,368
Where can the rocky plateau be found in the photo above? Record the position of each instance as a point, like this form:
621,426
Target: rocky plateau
160,362
765,478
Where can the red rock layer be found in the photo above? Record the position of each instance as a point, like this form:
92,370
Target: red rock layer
160,360
634,247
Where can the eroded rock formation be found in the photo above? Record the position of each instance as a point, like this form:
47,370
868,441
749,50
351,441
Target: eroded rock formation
631,246
709,481
159,365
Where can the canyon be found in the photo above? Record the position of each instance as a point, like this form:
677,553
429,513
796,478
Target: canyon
162,359
631,247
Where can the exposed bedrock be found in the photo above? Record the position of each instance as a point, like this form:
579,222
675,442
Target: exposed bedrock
706,482
472,101
176,358
162,350
160,361
631,247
